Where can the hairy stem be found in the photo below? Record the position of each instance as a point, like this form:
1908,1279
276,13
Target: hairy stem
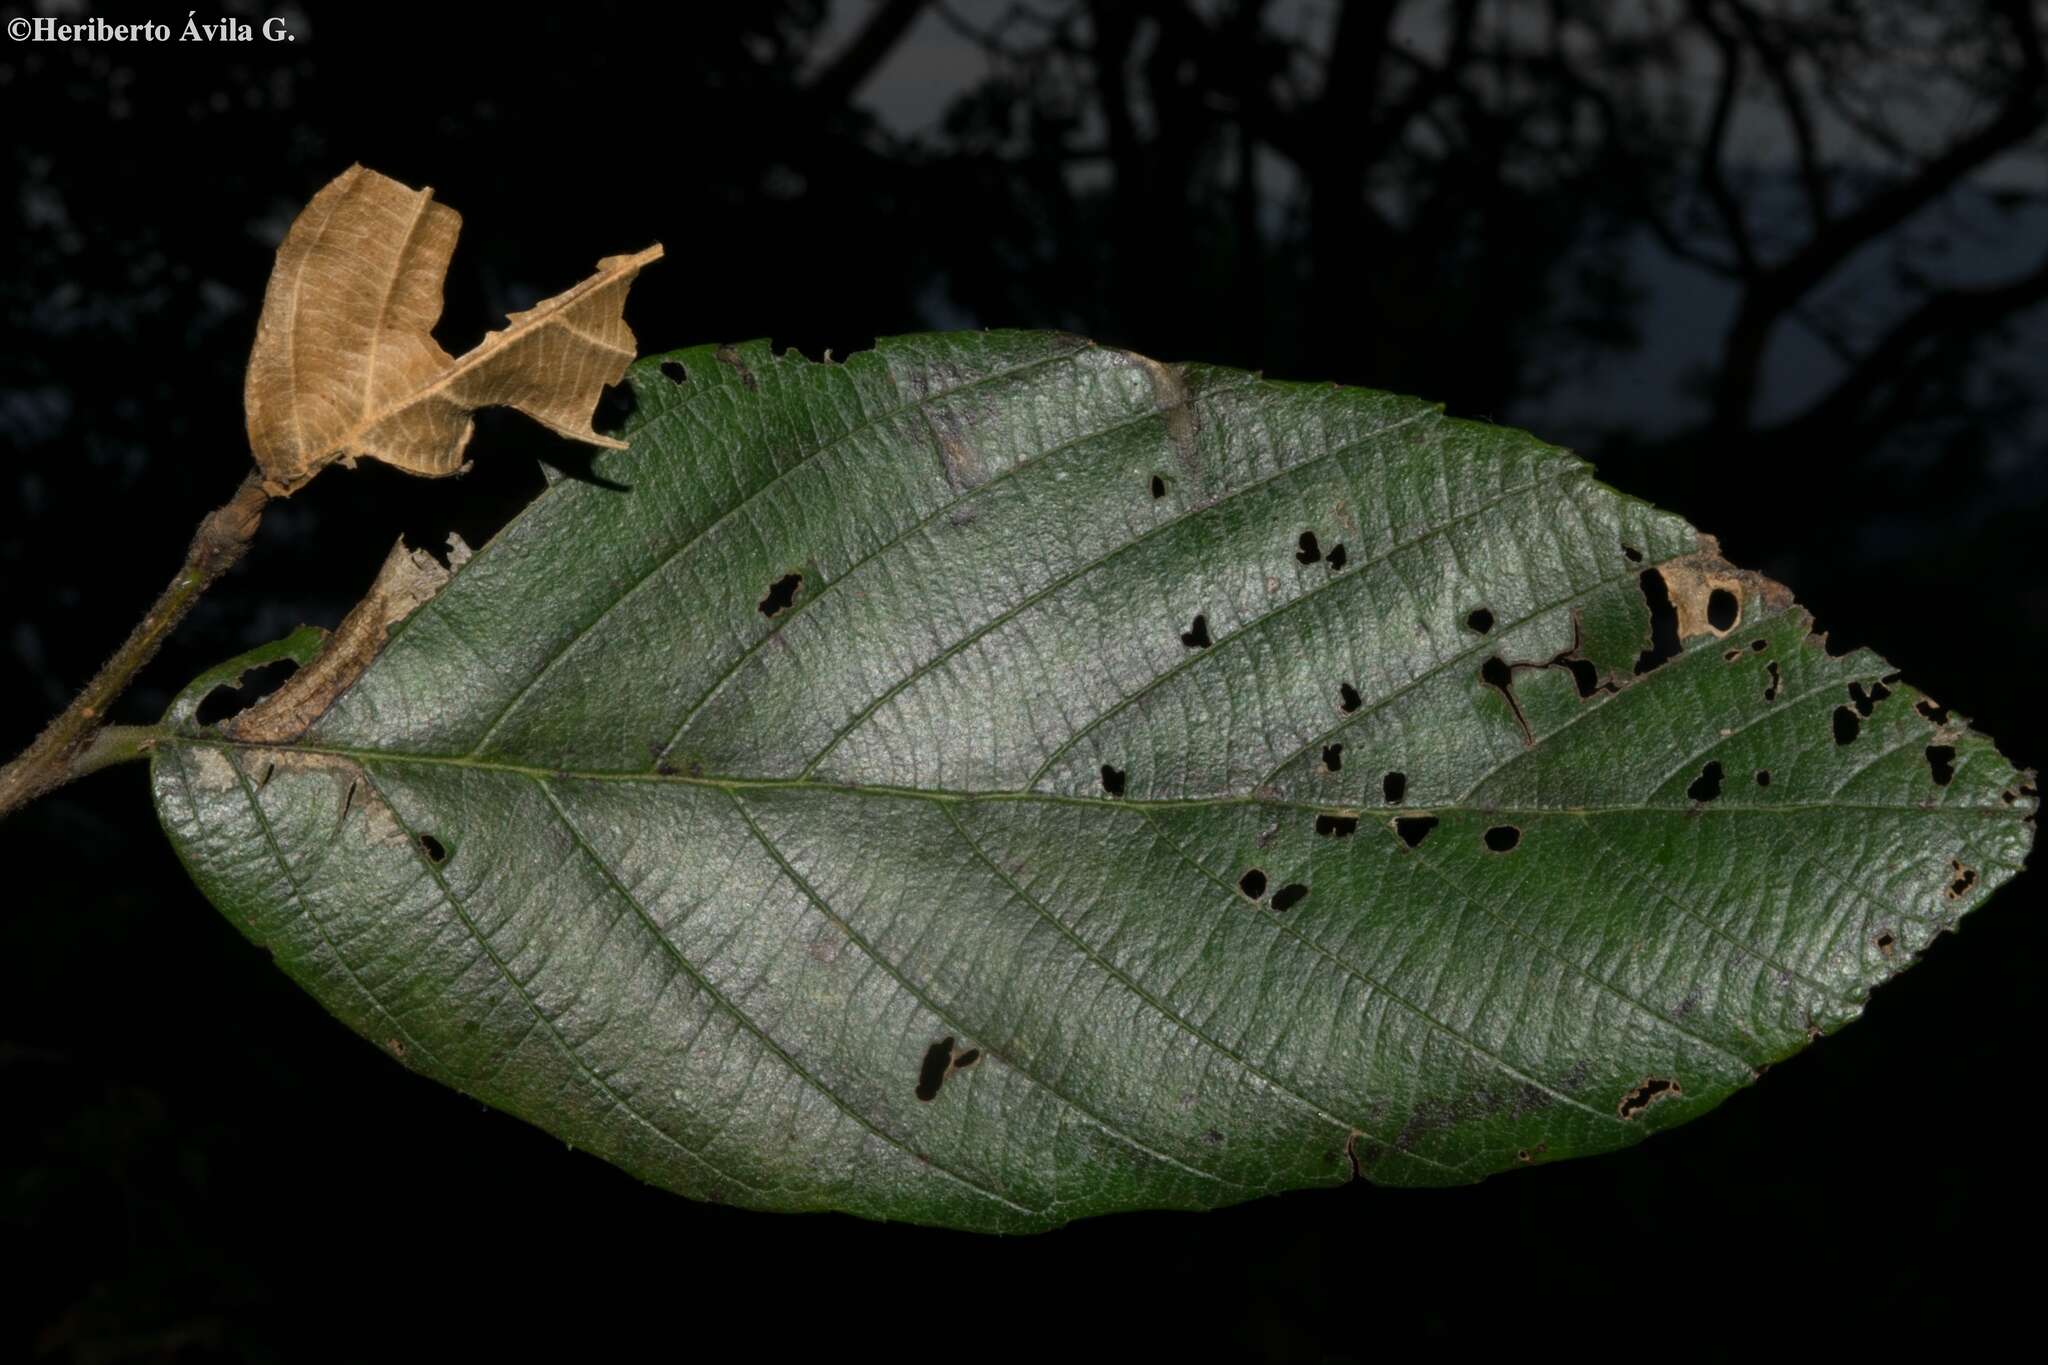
79,741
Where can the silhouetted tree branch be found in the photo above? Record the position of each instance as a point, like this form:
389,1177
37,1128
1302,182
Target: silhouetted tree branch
838,81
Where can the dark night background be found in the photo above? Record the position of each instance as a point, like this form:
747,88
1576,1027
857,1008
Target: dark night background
1778,265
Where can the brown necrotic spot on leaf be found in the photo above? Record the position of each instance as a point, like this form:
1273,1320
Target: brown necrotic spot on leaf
1309,552
1413,829
1347,698
781,593
1112,780
1289,896
1503,838
1646,1093
1170,401
1336,826
1708,592
1707,786
1846,725
408,580
345,364
1333,757
1393,787
729,356
212,771
938,1060
959,460
1196,636
1941,762
1252,883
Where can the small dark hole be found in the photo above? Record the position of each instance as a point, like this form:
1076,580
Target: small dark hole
433,849
1113,780
1480,620
1707,786
1759,645
1663,621
1966,877
938,1059
1634,555
1884,944
1289,896
1846,725
967,1059
1158,487
1413,829
1337,557
1496,673
1252,883
1731,656
1503,838
1653,1088
1763,777
1724,609
673,371
1333,756
229,700
1309,552
1394,787
1347,698
1336,826
615,407
1937,714
1771,692
1864,702
781,593
1196,636
1585,677
1941,760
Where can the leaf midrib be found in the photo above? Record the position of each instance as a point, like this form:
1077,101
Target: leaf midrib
726,783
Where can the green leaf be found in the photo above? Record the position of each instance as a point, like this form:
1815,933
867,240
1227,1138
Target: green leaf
951,786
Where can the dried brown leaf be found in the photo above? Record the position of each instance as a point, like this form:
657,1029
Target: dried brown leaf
345,363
